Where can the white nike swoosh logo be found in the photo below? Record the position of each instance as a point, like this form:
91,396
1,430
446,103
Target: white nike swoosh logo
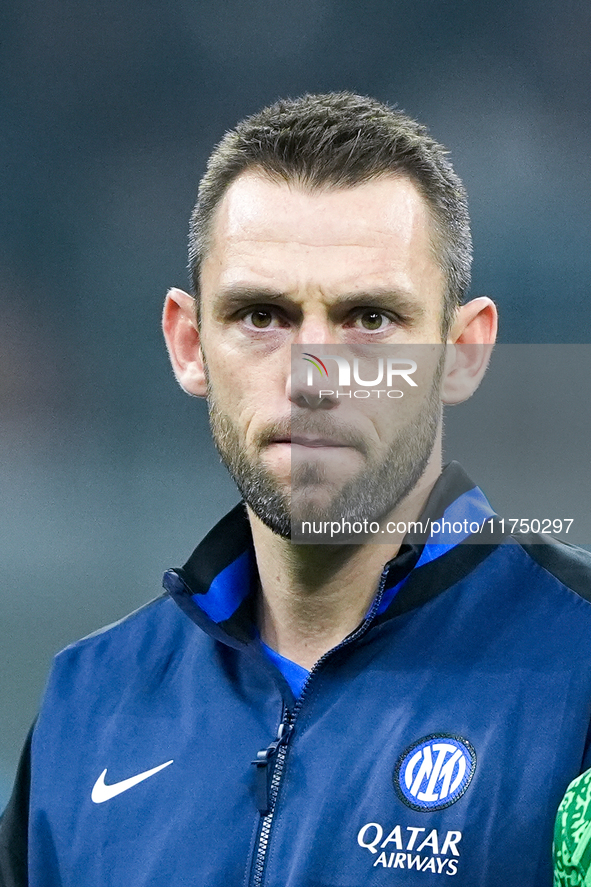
102,792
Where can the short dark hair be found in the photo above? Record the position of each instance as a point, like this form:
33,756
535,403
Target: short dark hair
340,140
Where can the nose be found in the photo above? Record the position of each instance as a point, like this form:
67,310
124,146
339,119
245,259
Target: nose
308,384
314,330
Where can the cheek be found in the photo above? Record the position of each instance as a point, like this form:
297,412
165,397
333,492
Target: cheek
392,414
401,395
237,397
247,385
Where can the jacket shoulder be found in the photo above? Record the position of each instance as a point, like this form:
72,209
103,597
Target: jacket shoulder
140,640
569,564
127,624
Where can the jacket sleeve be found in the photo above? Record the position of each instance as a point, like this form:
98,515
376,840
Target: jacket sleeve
14,825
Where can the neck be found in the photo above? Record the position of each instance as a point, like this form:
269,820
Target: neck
313,596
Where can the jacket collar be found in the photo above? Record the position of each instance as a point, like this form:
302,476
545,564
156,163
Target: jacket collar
215,585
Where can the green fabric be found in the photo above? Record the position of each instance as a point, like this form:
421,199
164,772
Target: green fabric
572,835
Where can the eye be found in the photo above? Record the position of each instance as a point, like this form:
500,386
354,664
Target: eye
372,320
262,318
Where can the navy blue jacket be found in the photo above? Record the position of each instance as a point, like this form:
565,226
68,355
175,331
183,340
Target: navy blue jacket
434,742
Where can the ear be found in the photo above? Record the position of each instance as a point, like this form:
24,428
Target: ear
469,347
179,324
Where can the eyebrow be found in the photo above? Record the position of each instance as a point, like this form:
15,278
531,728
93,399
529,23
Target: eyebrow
400,301
234,297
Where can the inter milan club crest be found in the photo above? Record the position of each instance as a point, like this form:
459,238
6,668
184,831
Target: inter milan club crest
434,772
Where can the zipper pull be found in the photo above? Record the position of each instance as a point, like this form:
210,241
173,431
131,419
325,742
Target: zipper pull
262,761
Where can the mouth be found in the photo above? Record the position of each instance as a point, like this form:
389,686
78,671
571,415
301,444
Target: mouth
302,440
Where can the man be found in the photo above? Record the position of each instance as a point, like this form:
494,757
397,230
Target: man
300,715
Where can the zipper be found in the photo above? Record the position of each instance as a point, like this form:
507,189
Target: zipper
268,789
263,761
270,761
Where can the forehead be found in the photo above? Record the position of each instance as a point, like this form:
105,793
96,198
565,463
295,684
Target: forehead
368,235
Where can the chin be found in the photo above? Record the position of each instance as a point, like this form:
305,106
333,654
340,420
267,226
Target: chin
313,506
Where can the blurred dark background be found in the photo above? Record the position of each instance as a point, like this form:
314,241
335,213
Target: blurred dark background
108,111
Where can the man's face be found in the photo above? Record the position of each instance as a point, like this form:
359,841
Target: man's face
343,267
